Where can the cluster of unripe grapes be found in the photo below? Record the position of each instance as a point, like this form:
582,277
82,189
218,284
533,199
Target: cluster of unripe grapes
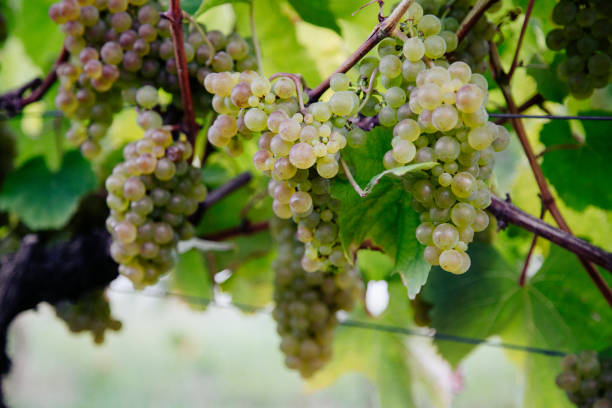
150,196
448,125
298,148
91,313
116,46
586,36
307,302
587,379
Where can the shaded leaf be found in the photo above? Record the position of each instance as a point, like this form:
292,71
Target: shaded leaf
385,216
192,280
32,21
208,4
44,199
316,12
578,175
545,75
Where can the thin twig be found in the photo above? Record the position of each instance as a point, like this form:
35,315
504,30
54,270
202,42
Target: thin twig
351,179
472,18
211,47
175,16
534,241
220,193
517,51
299,84
369,90
382,30
246,228
254,38
551,117
547,197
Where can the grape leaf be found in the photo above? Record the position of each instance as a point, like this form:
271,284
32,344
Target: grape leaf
32,20
547,313
192,280
44,199
208,4
384,216
374,265
545,75
316,12
584,187
252,283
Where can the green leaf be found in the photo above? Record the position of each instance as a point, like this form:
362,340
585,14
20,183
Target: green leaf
252,283
316,12
276,32
549,312
384,216
44,199
209,4
192,280
545,75
192,6
246,248
40,35
580,175
374,265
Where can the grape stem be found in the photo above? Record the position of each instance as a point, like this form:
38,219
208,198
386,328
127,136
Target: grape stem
384,29
254,38
299,85
351,179
368,91
534,241
245,228
473,16
517,51
211,47
13,102
547,198
175,16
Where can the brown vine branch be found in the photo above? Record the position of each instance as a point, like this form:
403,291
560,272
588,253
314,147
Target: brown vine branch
547,197
535,100
473,16
534,241
517,51
382,30
175,16
13,102
246,228
220,193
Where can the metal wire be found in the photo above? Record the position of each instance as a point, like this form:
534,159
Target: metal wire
546,117
429,333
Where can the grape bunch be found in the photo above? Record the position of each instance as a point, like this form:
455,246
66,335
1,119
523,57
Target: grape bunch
150,195
91,312
587,379
586,36
307,302
474,48
298,147
116,46
448,126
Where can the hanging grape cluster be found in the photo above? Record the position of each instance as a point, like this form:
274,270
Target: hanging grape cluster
116,46
586,36
587,379
150,195
298,147
91,313
438,116
307,302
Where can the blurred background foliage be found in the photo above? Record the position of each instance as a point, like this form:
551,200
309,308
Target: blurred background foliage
168,354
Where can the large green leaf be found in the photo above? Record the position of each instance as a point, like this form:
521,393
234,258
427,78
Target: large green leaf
40,35
316,12
558,309
580,175
191,279
384,216
276,32
45,199
549,84
252,283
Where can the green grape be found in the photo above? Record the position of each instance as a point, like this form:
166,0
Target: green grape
340,82
390,66
414,49
435,46
429,25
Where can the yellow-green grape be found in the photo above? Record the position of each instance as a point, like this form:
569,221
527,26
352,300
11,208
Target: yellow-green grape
469,98
429,25
414,49
435,47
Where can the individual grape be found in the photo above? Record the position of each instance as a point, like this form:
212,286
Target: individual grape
390,66
429,25
451,261
404,151
435,47
339,82
445,118
302,156
445,236
414,49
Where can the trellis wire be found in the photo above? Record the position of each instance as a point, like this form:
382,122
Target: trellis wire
57,113
429,333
